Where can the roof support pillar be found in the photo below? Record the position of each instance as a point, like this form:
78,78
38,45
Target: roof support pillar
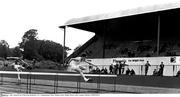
158,34
64,45
105,29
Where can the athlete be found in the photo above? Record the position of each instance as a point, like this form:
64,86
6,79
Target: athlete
76,64
18,67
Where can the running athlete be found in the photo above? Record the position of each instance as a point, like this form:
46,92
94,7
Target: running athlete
18,68
76,64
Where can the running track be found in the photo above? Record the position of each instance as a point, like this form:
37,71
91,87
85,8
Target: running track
68,84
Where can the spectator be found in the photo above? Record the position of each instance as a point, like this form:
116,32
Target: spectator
132,72
111,69
147,67
155,72
161,69
128,71
178,74
93,71
98,70
116,67
123,66
105,71
120,67
90,68
102,70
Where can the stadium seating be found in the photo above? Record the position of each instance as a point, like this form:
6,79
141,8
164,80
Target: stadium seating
145,48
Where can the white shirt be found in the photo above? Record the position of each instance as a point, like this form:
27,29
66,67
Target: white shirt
17,67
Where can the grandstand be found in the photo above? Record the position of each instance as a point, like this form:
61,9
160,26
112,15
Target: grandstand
141,32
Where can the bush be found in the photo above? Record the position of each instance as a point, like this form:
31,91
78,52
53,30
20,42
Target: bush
47,65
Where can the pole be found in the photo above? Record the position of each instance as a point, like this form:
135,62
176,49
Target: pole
104,41
64,42
27,84
1,79
158,36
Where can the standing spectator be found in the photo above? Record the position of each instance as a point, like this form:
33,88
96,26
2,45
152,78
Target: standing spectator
161,69
123,66
115,66
147,67
120,67
111,69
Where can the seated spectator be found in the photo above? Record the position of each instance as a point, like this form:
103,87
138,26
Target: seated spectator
98,70
105,71
156,72
128,71
102,70
93,71
132,72
178,74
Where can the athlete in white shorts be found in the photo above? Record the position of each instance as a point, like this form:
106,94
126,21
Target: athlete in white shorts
77,65
18,68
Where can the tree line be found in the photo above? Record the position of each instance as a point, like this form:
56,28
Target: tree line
32,48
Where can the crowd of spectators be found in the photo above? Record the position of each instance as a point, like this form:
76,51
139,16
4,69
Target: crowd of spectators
117,67
159,71
99,71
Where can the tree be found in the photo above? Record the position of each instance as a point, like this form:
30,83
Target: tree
30,35
41,49
51,50
16,52
29,44
4,49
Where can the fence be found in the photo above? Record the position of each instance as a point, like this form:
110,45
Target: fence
40,82
58,82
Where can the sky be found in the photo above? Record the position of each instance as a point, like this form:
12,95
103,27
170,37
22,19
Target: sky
19,16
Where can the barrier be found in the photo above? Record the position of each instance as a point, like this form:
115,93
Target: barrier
56,77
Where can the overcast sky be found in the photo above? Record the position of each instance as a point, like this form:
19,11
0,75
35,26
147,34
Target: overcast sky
18,16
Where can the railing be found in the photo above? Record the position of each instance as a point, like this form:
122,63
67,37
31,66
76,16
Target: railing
32,82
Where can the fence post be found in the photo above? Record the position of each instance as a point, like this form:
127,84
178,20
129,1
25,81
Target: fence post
114,84
34,79
27,87
78,84
98,83
30,83
55,83
1,79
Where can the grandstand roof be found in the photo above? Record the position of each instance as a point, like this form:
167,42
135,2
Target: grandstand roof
137,21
